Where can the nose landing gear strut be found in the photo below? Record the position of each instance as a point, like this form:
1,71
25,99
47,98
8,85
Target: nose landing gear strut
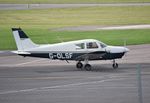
115,65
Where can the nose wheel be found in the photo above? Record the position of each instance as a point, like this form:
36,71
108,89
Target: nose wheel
115,65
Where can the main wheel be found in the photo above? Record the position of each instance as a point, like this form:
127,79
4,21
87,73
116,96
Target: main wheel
115,65
87,67
79,65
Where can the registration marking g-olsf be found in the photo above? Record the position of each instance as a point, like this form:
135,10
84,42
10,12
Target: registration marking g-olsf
60,55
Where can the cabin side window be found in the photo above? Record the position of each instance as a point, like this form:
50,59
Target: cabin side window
91,45
80,46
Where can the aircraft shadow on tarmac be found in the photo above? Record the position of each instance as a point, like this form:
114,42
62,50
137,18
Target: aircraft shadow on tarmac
96,68
122,67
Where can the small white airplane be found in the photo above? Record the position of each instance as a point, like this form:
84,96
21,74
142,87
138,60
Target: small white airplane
80,50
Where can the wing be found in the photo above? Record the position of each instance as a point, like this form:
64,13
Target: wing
91,56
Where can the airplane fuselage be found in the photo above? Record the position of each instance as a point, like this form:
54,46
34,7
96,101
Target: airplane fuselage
103,54
73,56
79,50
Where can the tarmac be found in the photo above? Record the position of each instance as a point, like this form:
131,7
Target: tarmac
98,27
34,80
46,6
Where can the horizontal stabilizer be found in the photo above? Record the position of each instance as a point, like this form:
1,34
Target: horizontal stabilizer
20,52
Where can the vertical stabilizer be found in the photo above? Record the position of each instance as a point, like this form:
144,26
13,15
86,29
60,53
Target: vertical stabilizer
23,42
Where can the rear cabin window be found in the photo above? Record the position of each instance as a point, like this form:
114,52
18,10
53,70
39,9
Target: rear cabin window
91,45
80,46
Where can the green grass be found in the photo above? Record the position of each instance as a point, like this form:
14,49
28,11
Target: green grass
39,24
70,1
111,37
55,18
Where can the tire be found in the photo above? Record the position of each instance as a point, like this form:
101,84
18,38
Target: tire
115,66
79,65
87,67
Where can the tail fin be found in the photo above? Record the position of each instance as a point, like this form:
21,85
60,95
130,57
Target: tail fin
22,41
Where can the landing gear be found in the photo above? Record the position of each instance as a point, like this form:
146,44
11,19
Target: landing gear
87,66
79,65
115,65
